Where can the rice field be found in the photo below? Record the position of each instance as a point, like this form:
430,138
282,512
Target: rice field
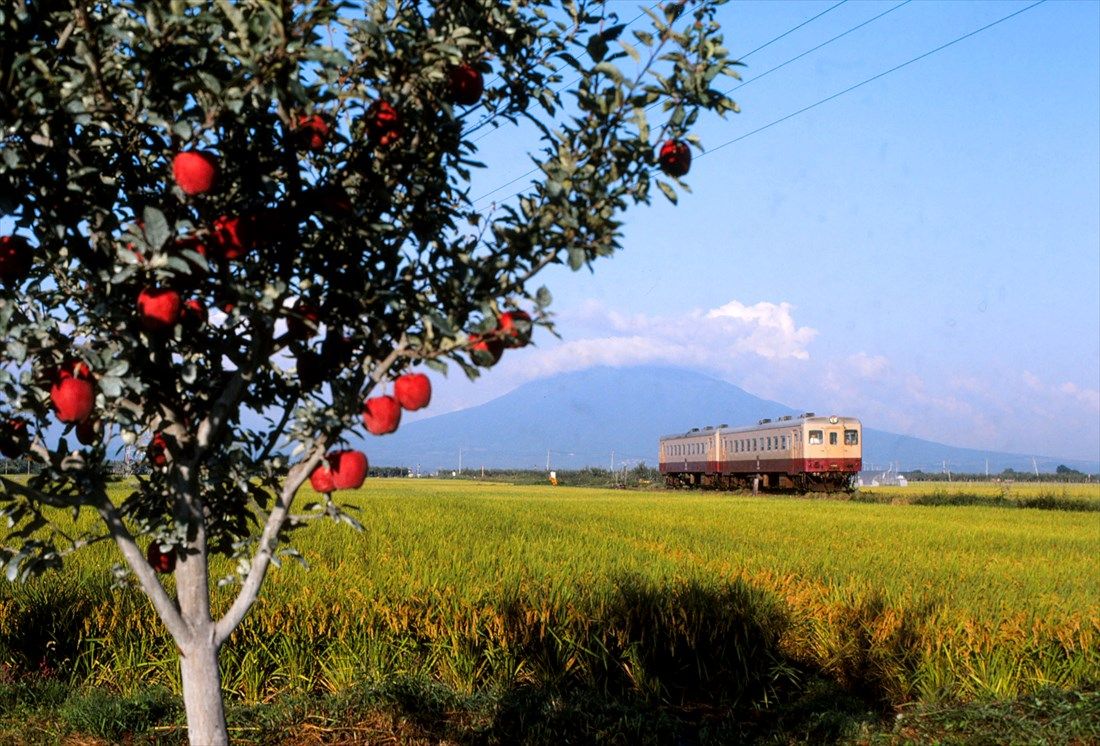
668,596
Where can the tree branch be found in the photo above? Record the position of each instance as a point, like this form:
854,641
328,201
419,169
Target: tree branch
250,590
165,607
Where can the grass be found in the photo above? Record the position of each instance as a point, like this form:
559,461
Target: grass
469,609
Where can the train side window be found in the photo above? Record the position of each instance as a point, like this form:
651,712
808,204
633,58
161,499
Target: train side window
832,437
783,442
851,437
816,437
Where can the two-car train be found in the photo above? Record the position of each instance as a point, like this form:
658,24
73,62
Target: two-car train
807,453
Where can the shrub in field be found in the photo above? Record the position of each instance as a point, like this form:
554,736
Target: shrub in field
224,212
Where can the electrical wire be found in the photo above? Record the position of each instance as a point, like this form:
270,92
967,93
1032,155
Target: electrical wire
827,99
873,78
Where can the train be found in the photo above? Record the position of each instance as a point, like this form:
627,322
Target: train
805,453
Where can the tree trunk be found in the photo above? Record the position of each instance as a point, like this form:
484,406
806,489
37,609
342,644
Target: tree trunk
202,695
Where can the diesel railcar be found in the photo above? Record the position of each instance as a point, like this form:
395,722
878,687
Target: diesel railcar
806,453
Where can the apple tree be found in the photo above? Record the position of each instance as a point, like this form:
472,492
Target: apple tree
229,226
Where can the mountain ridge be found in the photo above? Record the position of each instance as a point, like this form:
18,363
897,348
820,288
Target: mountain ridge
590,417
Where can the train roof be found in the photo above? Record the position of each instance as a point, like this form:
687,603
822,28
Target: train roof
779,423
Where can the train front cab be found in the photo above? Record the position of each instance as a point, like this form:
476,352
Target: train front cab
831,453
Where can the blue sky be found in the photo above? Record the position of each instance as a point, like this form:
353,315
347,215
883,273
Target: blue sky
923,252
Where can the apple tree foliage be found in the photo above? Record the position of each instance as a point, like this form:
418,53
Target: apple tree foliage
366,220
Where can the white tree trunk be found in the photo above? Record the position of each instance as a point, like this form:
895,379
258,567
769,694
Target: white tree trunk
202,695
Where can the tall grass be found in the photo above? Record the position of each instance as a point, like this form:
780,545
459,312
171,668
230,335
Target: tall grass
684,599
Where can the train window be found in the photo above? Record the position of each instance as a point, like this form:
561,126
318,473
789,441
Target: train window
783,442
832,437
851,437
816,437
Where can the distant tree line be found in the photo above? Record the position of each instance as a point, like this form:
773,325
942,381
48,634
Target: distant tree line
1062,474
592,476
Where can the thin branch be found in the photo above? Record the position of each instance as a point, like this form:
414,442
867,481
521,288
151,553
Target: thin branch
165,607
250,589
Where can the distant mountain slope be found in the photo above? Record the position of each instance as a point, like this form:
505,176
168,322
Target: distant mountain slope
582,417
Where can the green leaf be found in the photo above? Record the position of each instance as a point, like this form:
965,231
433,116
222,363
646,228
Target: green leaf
597,47
630,50
157,232
668,190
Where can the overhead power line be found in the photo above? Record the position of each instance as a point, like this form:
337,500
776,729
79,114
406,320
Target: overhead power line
825,100
873,78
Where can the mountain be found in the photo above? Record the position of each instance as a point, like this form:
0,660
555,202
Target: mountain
582,417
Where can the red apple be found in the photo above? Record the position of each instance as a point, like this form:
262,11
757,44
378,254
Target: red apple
485,351
466,85
161,561
413,391
16,258
194,171
231,237
157,451
311,133
348,469
321,478
302,322
510,332
14,437
73,393
194,313
381,414
88,432
383,123
674,158
158,309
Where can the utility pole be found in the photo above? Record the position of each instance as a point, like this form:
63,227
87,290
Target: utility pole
612,460
547,459
459,460
1034,466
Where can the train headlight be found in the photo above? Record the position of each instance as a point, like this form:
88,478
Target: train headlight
834,420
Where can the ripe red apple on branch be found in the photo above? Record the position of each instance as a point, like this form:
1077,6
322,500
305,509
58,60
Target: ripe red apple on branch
194,314
161,561
15,437
311,132
384,126
674,158
381,414
16,258
486,351
512,333
194,171
231,237
340,470
466,84
157,451
413,391
158,309
73,393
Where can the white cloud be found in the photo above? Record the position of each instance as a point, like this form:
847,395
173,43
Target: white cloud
719,338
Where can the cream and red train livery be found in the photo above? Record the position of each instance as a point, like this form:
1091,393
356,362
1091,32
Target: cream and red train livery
804,453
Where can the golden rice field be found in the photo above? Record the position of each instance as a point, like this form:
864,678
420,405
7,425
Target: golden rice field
1008,490
668,595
